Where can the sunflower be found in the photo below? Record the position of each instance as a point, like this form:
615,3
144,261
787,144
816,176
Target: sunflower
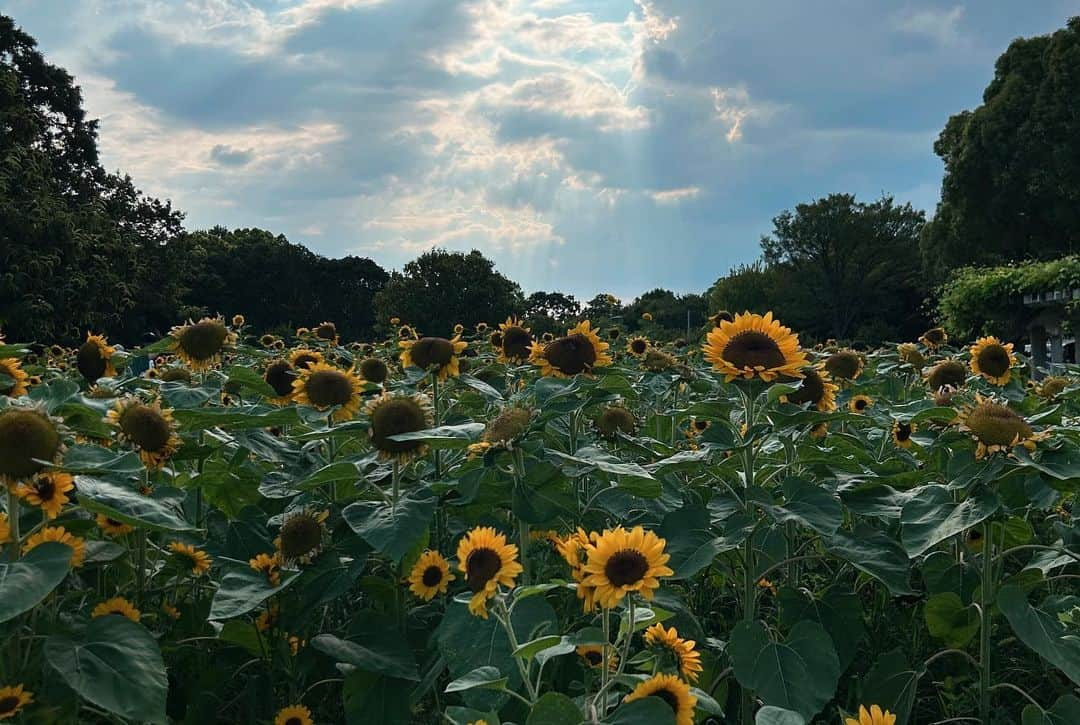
574,549
686,657
481,327
547,337
27,436
844,365
392,415
395,321
94,358
5,530
818,389
754,346
303,357
696,427
61,535
111,527
279,375
647,316
374,370
495,339
934,338
407,332
459,329
1051,386
819,431
950,373
301,537
433,354
509,425
268,564
638,346
326,331
909,352
614,333
859,403
621,562
46,490
430,575
293,715
267,618
992,359
901,433
974,541
148,427
323,386
874,716
117,605
658,361
579,352
174,375
12,700
10,367
238,320
170,611
997,427
196,560
615,419
515,341
200,344
722,316
671,690
593,654
487,561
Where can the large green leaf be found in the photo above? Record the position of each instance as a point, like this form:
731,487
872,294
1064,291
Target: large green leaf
1066,711
647,711
115,664
949,620
1041,631
772,715
383,652
392,530
554,708
933,516
447,436
838,611
690,540
243,590
124,503
248,378
807,505
797,674
871,551
102,461
235,418
891,683
485,678
26,582
372,698
588,460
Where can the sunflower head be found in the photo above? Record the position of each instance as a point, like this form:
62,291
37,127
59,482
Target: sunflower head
993,360
238,320
817,389
174,375
721,316
60,535
301,537
374,370
754,346
434,354
393,415
148,427
901,433
190,558
909,352
326,331
658,361
11,368
293,715
674,692
638,346
430,575
27,434
547,337
860,403
593,655
647,316
323,386
615,419
487,562
686,659
94,358
996,427
111,527
47,490
1051,386
406,332
200,344
950,373
395,321
509,425
13,699
579,351
279,375
268,340
515,341
116,605
481,327
934,338
622,562
495,339
844,365
874,716
614,333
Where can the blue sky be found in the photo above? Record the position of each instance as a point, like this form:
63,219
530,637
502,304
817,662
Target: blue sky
585,145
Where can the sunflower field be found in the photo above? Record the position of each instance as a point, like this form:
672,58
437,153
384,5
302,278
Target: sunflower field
230,527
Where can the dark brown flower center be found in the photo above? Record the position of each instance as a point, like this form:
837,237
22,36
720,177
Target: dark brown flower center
812,390
903,431
146,427
669,697
945,373
701,424
326,331
616,418
994,360
935,335
626,567
861,403
294,721
595,658
507,425
516,342
9,704
722,316
173,375
481,567
44,487
279,376
429,352
301,534
572,354
432,576
90,362
496,339
203,340
305,360
996,424
394,417
326,388
752,349
24,436
373,370
843,365
638,346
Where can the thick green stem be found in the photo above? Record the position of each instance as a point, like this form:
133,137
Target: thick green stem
749,563
140,567
395,479
984,626
437,454
13,522
523,526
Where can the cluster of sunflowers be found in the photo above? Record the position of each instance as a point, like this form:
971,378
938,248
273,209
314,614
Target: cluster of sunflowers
494,526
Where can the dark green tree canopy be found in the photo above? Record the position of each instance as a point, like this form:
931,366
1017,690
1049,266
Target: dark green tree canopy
1012,166
440,289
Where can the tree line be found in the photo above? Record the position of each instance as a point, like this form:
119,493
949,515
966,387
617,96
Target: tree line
84,249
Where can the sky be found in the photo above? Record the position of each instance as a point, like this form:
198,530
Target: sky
585,145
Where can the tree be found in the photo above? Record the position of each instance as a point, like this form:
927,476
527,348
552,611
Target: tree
440,289
747,288
1011,189
672,313
550,311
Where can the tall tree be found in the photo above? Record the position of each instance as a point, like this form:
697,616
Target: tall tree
440,289
1012,166
550,311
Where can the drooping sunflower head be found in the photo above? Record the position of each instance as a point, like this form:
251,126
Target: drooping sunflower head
1051,386
112,527
614,333
47,490
302,358
658,361
302,534
280,375
393,415
844,365
515,341
27,435
950,373
326,331
174,374
615,419
374,370
190,558
673,691
487,562
860,403
94,358
509,425
910,353
200,344
116,605
901,433
638,346
647,316
323,387
996,427
817,388
754,346
578,352
19,385
433,354
687,660
148,427
722,316
430,575
874,716
13,699
623,562
993,360
934,338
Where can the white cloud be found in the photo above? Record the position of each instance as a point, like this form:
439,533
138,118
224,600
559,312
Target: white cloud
942,25
675,196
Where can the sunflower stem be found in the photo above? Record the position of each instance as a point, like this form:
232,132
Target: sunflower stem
140,567
749,581
523,526
395,478
13,522
437,454
984,624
